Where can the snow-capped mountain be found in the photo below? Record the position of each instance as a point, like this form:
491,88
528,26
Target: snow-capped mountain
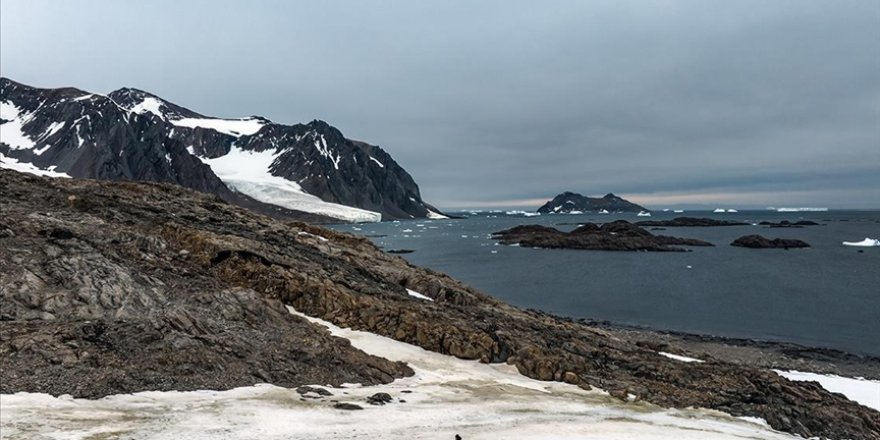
130,134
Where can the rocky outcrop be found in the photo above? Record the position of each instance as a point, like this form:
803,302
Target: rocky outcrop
134,135
619,235
569,201
690,221
759,242
789,224
180,280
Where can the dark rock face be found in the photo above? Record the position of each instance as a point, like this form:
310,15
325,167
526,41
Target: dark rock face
90,309
569,201
619,235
114,138
759,242
690,221
157,285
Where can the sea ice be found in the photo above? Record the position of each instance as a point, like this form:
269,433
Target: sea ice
867,242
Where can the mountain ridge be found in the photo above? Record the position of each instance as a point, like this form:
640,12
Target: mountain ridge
131,134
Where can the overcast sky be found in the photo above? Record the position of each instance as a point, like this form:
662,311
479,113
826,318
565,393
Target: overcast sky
503,103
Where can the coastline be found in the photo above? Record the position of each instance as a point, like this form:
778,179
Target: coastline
194,249
754,352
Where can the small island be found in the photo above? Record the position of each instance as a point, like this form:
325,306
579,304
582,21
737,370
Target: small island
574,203
619,235
690,221
760,242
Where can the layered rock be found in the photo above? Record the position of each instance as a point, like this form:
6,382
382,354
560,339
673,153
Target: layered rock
619,235
173,274
569,201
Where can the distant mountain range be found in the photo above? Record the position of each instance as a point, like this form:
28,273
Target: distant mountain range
569,202
304,171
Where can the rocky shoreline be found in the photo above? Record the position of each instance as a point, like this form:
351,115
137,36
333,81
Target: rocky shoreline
118,287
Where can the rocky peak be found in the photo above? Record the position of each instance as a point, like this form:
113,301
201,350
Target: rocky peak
568,202
132,134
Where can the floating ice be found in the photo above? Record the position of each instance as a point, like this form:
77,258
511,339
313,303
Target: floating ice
867,242
801,209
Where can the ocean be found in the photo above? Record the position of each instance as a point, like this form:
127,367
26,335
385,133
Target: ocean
827,295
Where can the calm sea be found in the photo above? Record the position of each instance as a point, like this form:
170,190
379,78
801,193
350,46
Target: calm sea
825,296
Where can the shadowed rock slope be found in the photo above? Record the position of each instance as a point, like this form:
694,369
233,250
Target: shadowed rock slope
115,287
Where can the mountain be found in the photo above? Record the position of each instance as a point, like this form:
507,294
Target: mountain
569,201
120,287
304,171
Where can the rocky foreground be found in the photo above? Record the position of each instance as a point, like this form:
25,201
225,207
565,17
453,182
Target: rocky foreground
619,235
119,287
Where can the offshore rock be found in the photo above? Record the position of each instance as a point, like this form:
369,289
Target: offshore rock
619,235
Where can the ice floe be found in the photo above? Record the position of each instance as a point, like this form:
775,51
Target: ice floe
867,242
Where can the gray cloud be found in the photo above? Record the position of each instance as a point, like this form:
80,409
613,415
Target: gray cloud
770,102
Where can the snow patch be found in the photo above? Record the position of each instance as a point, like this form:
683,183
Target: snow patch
12,131
377,162
436,215
866,392
418,295
679,357
149,105
232,127
321,146
248,173
13,164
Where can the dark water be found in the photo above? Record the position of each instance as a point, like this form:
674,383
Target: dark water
827,295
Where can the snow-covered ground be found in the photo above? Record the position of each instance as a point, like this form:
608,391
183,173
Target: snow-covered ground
24,167
866,392
248,173
447,396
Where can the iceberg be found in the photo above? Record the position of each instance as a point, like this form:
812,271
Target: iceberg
801,209
643,214
867,242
